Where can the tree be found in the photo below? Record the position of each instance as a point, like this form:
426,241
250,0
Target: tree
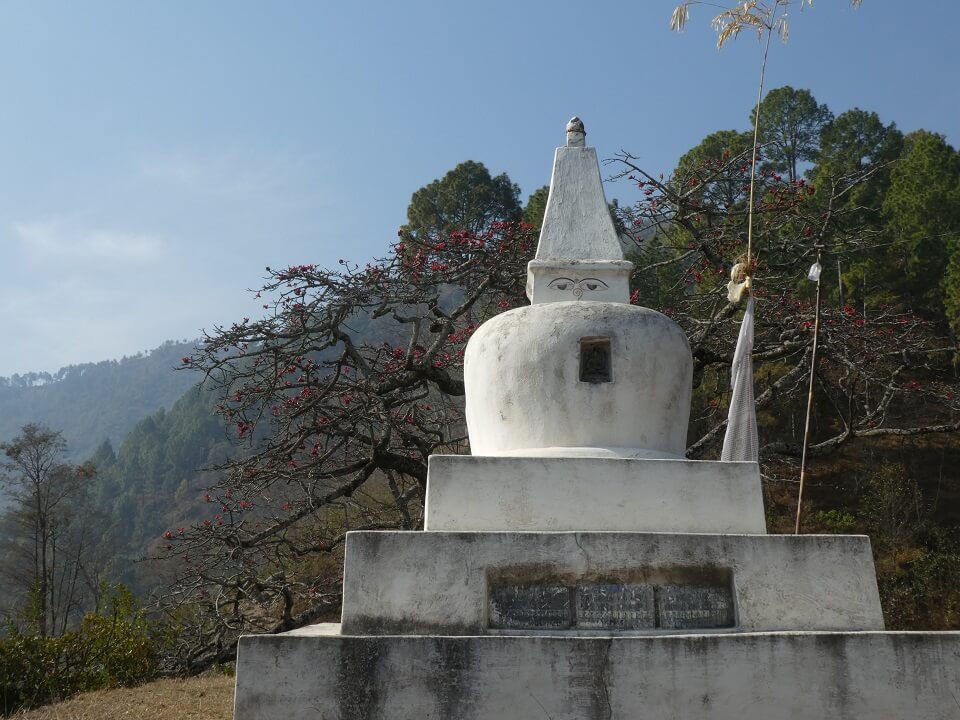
851,143
704,168
466,198
47,558
344,390
922,209
891,504
857,139
536,206
952,286
893,349
790,126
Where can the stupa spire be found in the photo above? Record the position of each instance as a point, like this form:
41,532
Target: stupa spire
579,256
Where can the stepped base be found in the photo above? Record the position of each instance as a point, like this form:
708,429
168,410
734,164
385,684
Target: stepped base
317,673
593,493
475,583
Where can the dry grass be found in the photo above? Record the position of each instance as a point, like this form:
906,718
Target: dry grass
203,698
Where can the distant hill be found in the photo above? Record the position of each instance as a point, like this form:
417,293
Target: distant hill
155,477
95,402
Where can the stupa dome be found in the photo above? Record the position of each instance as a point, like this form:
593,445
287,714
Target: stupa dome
580,372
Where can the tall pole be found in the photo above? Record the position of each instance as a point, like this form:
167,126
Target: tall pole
866,383
806,429
839,283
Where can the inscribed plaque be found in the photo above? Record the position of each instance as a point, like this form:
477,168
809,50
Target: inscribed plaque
615,607
686,607
530,607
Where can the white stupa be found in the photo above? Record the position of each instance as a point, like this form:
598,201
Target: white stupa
580,372
576,567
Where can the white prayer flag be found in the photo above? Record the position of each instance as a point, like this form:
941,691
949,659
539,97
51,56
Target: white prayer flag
741,442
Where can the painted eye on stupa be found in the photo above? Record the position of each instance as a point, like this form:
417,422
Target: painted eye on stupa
593,283
561,284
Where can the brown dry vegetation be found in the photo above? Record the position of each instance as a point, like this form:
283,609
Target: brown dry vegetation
201,698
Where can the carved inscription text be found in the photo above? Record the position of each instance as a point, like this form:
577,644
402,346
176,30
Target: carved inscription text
610,606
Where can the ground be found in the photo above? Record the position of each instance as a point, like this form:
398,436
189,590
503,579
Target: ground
202,698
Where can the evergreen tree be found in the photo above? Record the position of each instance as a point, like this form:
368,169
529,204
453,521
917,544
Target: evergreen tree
704,168
922,209
466,198
536,206
855,142
790,125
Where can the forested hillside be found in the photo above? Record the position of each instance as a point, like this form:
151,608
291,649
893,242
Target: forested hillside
156,477
93,402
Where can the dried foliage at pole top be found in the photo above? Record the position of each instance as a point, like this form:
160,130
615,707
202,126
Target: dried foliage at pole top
766,19
755,15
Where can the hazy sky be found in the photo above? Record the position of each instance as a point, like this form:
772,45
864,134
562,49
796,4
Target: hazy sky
154,157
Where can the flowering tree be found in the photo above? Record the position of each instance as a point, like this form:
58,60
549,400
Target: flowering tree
342,392
883,369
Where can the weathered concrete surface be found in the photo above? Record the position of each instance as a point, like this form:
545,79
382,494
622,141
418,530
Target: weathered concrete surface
524,393
432,583
781,676
563,280
544,493
576,222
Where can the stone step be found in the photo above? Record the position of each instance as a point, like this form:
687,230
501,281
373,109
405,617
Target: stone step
314,673
472,583
467,492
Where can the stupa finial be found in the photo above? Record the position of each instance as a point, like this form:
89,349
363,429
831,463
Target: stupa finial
576,134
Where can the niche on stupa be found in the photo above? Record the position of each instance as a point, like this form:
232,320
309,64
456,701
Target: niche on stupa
596,360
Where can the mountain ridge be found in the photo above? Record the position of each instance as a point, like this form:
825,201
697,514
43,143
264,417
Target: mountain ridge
90,403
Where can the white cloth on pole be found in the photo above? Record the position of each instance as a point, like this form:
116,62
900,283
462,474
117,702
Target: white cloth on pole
741,442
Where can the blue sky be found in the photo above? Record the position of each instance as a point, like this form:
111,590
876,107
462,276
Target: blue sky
154,157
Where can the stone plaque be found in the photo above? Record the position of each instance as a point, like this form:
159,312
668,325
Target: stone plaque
530,607
615,607
686,607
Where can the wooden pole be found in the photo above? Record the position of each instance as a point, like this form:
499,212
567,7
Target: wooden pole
806,429
839,283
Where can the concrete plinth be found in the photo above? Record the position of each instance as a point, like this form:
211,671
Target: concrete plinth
778,676
552,493
426,583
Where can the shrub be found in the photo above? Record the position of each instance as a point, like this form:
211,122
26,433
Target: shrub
112,647
923,592
835,522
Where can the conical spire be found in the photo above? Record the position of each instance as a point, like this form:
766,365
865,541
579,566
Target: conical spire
579,254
